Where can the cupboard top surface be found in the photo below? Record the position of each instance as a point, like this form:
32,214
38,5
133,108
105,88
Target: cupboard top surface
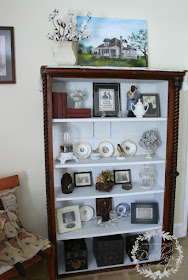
110,72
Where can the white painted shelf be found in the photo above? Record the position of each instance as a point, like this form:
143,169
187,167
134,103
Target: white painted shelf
89,229
91,192
111,161
94,119
154,255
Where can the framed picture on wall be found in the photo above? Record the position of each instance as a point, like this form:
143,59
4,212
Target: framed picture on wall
7,59
144,213
106,100
153,101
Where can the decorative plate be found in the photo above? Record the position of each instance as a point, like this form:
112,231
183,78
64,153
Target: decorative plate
129,147
106,149
123,209
86,213
82,149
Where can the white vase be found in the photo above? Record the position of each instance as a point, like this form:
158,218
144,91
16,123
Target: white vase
65,53
149,154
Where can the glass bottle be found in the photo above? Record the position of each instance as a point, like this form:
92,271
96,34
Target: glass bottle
67,146
146,178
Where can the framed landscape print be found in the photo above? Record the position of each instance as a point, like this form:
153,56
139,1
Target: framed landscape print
83,179
106,99
7,60
153,101
113,42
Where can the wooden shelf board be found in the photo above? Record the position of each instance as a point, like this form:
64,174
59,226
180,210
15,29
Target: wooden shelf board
91,192
95,119
89,229
111,161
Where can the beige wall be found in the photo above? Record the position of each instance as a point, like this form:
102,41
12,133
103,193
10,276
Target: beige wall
21,116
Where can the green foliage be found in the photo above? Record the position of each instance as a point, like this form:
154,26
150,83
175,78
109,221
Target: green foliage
92,60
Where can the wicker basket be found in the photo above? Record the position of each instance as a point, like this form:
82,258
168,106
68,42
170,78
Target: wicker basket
106,187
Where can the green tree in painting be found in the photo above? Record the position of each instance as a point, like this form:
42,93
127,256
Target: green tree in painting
140,42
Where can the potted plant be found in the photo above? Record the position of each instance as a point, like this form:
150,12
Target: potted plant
65,36
149,141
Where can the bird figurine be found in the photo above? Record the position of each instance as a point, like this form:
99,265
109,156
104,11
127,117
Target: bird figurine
121,152
76,96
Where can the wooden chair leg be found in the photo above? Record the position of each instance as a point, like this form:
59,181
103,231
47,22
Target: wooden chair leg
51,264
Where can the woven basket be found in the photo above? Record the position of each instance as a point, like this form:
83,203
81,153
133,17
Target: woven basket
106,187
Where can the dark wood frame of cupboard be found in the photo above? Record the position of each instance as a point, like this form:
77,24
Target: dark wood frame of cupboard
174,78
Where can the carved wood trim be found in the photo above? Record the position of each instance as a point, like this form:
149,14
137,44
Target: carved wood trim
44,82
177,82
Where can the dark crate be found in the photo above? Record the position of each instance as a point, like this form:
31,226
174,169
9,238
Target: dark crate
76,257
143,251
108,250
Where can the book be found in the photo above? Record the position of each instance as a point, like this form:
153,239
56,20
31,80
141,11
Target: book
59,105
79,111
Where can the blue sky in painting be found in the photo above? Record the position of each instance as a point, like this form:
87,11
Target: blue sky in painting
101,28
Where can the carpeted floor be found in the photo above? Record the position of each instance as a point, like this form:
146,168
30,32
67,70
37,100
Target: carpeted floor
39,271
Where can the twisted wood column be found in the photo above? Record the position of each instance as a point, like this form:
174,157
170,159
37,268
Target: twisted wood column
44,82
177,82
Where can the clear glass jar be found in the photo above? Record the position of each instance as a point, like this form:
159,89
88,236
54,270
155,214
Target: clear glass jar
146,178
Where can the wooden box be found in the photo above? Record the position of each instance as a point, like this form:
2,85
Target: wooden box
76,257
143,251
108,250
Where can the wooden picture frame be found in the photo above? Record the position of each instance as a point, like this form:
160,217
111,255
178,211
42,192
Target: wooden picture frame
103,207
68,218
153,100
144,213
106,98
7,57
125,176
83,179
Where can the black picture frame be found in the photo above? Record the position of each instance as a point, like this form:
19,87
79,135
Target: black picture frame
151,98
106,98
83,184
121,181
144,213
7,57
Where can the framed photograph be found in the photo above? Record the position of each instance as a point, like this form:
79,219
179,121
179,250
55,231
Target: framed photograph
122,176
83,179
144,213
106,98
153,101
68,218
7,60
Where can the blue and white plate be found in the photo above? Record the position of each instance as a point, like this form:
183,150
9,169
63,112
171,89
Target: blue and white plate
123,210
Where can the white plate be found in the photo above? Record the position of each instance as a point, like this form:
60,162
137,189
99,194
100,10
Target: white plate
129,147
106,149
86,213
82,149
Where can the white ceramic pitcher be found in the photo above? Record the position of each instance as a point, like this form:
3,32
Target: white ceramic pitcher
139,108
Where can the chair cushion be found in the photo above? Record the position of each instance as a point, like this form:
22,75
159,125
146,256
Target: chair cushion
9,200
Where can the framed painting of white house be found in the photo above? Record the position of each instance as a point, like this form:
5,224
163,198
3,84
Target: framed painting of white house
114,42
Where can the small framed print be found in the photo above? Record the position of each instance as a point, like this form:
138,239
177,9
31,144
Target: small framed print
122,176
7,60
153,101
106,98
83,179
68,218
144,213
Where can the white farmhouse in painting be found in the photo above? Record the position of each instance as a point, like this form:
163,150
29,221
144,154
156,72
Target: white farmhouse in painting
115,48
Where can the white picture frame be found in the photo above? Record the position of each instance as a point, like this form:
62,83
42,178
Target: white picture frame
68,219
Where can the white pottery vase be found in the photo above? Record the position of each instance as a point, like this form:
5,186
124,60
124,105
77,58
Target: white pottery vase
65,53
149,154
